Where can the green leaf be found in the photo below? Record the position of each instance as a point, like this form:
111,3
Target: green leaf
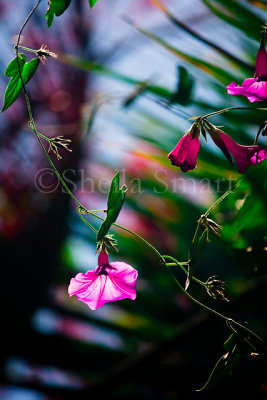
238,15
87,65
184,87
92,3
56,7
115,201
15,86
199,241
253,214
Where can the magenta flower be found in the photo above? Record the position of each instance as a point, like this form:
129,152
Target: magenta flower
107,282
255,89
184,155
258,157
244,155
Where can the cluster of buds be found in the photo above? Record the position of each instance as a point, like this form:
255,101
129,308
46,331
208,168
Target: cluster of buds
215,288
59,142
43,53
108,241
208,223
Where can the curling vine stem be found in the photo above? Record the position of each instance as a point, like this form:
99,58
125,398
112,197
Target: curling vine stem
81,209
84,220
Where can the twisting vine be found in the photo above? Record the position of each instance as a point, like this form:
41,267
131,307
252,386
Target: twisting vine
213,286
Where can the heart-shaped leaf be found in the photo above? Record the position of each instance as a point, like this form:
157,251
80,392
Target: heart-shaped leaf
14,69
56,7
115,201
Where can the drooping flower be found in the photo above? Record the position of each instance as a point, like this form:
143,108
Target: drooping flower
244,155
184,155
107,282
255,89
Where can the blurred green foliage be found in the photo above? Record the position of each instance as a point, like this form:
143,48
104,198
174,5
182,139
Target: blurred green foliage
170,345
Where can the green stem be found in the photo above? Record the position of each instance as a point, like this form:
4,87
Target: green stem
132,233
81,210
228,320
175,261
42,136
23,26
31,123
175,264
224,110
161,257
57,173
27,49
220,199
84,220
197,301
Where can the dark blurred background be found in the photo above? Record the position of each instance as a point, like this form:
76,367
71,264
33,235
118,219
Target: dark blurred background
124,98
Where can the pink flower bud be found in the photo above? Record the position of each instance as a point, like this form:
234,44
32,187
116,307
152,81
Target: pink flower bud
184,155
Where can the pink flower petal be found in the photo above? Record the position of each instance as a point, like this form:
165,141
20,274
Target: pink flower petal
252,88
255,89
124,278
244,155
80,283
176,151
259,156
184,155
116,282
94,293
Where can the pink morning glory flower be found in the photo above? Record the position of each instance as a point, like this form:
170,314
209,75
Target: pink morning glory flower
107,282
255,89
184,155
244,155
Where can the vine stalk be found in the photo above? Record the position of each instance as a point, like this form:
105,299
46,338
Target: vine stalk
82,210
